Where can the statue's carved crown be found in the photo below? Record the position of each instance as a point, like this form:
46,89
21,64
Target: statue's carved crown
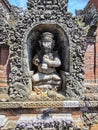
47,36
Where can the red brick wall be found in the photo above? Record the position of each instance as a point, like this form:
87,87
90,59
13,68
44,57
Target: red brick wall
95,2
97,54
91,61
4,66
5,5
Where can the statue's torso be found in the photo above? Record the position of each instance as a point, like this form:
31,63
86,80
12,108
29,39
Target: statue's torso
43,67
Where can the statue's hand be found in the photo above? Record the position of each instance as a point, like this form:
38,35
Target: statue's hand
46,59
37,61
44,66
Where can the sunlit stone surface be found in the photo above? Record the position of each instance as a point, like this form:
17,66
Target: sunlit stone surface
56,121
3,120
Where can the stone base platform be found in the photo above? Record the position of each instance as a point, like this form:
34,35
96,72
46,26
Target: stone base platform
78,122
91,91
48,104
84,113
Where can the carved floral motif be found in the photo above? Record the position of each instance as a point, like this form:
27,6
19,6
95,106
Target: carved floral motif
50,12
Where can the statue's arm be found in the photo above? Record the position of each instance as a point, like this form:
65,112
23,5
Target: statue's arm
36,60
53,63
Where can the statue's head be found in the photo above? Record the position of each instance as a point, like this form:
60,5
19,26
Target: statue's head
47,41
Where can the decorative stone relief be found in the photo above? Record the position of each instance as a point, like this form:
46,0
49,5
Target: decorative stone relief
91,15
51,16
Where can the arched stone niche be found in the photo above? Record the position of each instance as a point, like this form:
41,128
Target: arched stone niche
61,44
70,44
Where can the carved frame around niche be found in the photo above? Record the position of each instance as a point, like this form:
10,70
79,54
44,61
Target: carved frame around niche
76,39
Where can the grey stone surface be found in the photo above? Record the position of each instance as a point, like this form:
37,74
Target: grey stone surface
41,16
46,61
53,122
3,120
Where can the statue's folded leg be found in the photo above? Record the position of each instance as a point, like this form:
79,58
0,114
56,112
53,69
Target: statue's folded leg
56,77
49,81
46,87
40,77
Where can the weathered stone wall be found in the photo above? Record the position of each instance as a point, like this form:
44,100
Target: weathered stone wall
6,15
45,16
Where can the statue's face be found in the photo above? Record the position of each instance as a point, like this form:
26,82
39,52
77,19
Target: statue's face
47,44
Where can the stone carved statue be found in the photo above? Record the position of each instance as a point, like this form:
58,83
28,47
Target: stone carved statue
46,60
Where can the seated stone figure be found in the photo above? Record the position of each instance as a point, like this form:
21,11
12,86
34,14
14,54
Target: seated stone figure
46,60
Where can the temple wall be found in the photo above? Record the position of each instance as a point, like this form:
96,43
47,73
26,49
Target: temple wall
75,101
91,69
4,66
89,63
95,2
97,54
4,5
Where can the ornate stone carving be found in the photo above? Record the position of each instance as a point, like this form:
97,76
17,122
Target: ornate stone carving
51,16
91,15
4,33
18,91
74,88
46,60
45,122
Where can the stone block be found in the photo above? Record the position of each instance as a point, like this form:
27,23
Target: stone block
3,120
